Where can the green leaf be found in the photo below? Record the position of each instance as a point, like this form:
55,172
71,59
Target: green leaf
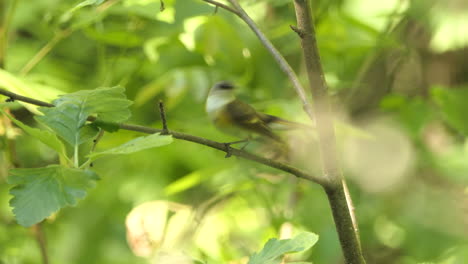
42,191
109,103
106,126
135,145
453,105
186,182
46,137
115,38
275,248
71,111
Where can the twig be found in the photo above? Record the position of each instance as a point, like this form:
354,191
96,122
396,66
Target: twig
218,4
327,140
25,99
162,112
44,51
41,241
5,27
297,30
95,142
199,140
283,64
351,207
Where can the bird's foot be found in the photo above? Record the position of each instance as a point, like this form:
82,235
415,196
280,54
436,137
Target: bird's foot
227,145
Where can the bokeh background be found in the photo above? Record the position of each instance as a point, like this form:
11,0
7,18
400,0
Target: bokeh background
397,70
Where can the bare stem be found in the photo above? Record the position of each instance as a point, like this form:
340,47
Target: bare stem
6,15
199,140
44,51
339,201
162,112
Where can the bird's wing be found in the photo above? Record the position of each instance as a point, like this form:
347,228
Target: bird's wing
246,117
282,124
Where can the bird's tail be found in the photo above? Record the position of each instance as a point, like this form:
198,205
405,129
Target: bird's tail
277,123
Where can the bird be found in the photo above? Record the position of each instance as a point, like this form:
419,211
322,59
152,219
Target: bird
235,117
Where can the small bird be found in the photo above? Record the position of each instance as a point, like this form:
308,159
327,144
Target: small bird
238,118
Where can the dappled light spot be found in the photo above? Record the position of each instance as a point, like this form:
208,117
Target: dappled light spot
437,138
388,232
157,226
379,162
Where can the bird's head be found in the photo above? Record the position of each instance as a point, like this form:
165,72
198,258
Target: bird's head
224,85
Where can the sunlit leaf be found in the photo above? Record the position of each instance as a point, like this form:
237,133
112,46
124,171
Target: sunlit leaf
274,248
184,183
110,104
135,145
42,191
452,103
23,87
115,38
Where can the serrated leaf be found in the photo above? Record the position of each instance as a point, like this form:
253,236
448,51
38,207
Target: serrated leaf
109,103
71,111
135,145
46,137
274,248
40,192
453,105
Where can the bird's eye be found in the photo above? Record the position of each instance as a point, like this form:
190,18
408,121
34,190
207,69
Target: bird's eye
225,85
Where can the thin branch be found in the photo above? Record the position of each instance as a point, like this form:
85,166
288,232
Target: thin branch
163,118
339,201
351,207
283,64
233,151
5,27
218,4
199,140
25,99
95,142
44,51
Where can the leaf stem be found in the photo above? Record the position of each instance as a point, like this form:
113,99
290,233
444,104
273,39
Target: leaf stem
75,156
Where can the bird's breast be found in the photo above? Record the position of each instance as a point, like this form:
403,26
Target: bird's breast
215,104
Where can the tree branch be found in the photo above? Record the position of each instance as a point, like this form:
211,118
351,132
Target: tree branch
199,140
162,112
283,64
336,193
218,4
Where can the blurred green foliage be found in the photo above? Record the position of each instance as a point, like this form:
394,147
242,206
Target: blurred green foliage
413,209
